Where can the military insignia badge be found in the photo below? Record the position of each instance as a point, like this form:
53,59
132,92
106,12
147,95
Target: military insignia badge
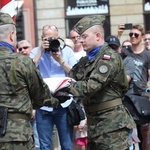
103,69
106,57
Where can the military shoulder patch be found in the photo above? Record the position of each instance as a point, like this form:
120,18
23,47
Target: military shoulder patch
106,57
103,69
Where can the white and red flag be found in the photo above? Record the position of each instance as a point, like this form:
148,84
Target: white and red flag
8,6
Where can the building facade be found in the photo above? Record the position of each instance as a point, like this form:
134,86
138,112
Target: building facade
65,13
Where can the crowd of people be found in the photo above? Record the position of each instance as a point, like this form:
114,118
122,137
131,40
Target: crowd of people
102,72
135,54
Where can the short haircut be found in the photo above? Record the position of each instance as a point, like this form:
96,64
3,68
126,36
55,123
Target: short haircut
140,28
22,41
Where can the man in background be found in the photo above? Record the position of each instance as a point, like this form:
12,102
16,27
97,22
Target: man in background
24,47
78,49
147,40
114,43
141,77
54,61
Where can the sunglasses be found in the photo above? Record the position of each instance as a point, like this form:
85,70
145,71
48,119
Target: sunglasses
25,47
147,39
126,46
136,35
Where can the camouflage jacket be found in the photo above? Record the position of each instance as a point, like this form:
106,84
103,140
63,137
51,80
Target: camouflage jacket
21,90
101,79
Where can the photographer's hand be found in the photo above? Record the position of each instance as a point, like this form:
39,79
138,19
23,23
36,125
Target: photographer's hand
120,30
58,57
45,44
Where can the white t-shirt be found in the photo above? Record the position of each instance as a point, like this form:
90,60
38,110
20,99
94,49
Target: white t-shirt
80,54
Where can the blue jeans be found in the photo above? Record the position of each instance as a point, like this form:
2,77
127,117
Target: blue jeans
45,123
36,137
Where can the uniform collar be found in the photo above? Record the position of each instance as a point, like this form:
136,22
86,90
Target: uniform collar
7,45
93,52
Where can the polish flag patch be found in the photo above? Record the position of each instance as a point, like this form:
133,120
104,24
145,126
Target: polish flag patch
106,57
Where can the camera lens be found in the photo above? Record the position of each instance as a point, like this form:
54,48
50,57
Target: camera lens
54,45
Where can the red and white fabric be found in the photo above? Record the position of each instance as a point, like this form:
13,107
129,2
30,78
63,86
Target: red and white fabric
11,7
56,84
8,6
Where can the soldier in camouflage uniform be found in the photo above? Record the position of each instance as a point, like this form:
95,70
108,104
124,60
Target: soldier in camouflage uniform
21,90
101,82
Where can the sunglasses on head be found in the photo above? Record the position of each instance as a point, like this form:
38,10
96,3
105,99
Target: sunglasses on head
135,34
25,47
51,27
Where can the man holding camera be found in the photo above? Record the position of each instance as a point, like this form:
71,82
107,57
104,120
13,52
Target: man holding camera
53,61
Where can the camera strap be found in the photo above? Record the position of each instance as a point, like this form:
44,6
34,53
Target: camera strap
64,44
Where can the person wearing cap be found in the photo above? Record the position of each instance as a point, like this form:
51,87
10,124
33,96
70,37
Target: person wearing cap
101,82
113,42
21,89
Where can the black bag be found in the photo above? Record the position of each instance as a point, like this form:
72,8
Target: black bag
75,113
139,107
3,120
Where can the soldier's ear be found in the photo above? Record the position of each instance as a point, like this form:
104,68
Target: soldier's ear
98,36
12,36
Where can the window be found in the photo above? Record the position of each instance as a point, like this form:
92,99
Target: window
146,7
76,9
20,26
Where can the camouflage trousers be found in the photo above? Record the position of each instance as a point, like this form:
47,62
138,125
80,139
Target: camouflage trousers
18,145
109,129
116,140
